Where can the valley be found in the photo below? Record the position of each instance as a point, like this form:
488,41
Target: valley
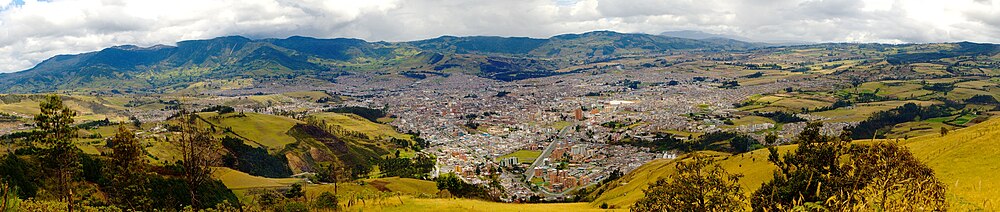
572,122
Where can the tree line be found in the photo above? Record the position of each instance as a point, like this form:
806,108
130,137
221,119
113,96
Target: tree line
54,174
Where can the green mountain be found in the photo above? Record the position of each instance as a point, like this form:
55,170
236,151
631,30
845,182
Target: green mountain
161,68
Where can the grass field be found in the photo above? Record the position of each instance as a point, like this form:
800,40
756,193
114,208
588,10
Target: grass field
978,84
915,129
750,120
163,152
897,89
959,94
791,102
357,123
862,111
523,156
268,130
928,68
559,125
237,180
86,109
309,96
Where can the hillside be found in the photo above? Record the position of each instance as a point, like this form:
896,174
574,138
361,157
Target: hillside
259,129
624,192
964,160
298,146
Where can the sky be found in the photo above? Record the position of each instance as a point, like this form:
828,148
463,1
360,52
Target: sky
32,31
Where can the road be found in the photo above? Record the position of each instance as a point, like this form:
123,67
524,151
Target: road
530,172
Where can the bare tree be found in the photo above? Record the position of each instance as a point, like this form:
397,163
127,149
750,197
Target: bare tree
199,152
335,172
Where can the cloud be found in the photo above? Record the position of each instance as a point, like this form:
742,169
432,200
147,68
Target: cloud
31,30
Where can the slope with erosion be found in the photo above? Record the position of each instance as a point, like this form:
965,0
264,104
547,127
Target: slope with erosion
300,144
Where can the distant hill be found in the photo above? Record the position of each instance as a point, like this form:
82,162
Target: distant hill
694,34
162,67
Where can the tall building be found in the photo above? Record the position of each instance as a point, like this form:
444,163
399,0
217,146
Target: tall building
579,114
579,150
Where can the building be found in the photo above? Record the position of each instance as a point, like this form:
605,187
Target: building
579,150
578,113
509,162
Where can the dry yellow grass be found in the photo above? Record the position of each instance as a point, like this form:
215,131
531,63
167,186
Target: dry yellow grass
408,204
967,161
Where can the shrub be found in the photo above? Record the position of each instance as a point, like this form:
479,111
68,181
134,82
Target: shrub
326,200
698,185
293,207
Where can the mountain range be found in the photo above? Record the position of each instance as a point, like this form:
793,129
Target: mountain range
149,69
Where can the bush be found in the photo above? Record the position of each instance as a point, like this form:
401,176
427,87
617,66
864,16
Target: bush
295,192
293,207
326,200
698,185
444,193
830,173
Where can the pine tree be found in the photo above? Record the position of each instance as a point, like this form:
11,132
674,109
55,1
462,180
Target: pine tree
56,134
128,171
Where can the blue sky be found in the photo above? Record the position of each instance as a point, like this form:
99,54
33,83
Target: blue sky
32,30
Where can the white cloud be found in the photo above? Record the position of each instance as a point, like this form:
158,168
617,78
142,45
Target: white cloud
36,30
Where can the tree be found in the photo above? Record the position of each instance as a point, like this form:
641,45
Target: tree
128,171
889,178
698,185
829,173
8,197
801,174
199,152
295,191
55,135
334,172
327,200
743,143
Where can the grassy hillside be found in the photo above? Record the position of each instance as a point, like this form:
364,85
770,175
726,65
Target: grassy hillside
624,192
237,180
358,124
88,108
405,186
268,130
966,160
